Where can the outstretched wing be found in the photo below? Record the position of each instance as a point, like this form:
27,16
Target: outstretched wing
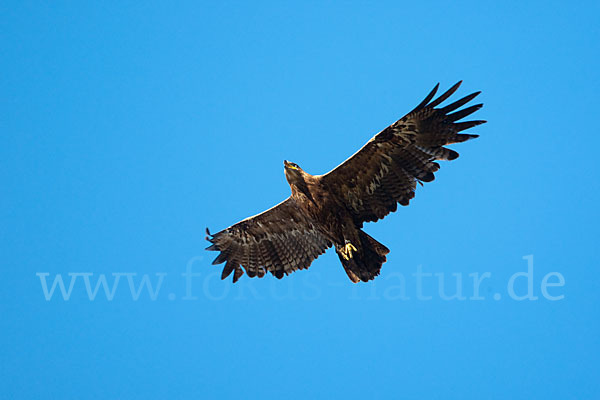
385,171
279,240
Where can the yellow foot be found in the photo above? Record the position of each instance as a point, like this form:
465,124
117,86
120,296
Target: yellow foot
347,250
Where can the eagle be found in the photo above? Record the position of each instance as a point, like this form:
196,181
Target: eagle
330,210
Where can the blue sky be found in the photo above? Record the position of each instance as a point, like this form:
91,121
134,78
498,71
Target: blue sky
127,128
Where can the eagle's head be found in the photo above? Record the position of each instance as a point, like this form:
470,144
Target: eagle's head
293,173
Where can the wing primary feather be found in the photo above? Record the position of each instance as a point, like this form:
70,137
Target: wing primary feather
237,274
426,177
221,258
463,137
459,103
444,96
449,154
229,267
461,126
427,99
463,113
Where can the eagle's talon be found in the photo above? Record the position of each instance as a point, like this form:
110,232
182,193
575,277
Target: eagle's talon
347,250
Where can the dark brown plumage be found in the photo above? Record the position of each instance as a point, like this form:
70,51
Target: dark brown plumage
330,209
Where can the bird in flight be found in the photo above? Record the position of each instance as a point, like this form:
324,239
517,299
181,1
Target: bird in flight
330,210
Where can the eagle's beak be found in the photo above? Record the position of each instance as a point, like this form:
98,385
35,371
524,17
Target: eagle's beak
285,163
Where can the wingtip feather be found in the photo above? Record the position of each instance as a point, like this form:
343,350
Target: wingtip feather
228,269
445,95
237,274
452,155
427,98
221,258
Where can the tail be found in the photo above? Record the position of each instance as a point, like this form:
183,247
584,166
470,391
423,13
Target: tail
366,262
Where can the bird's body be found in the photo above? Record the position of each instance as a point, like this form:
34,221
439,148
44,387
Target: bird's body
313,196
329,210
